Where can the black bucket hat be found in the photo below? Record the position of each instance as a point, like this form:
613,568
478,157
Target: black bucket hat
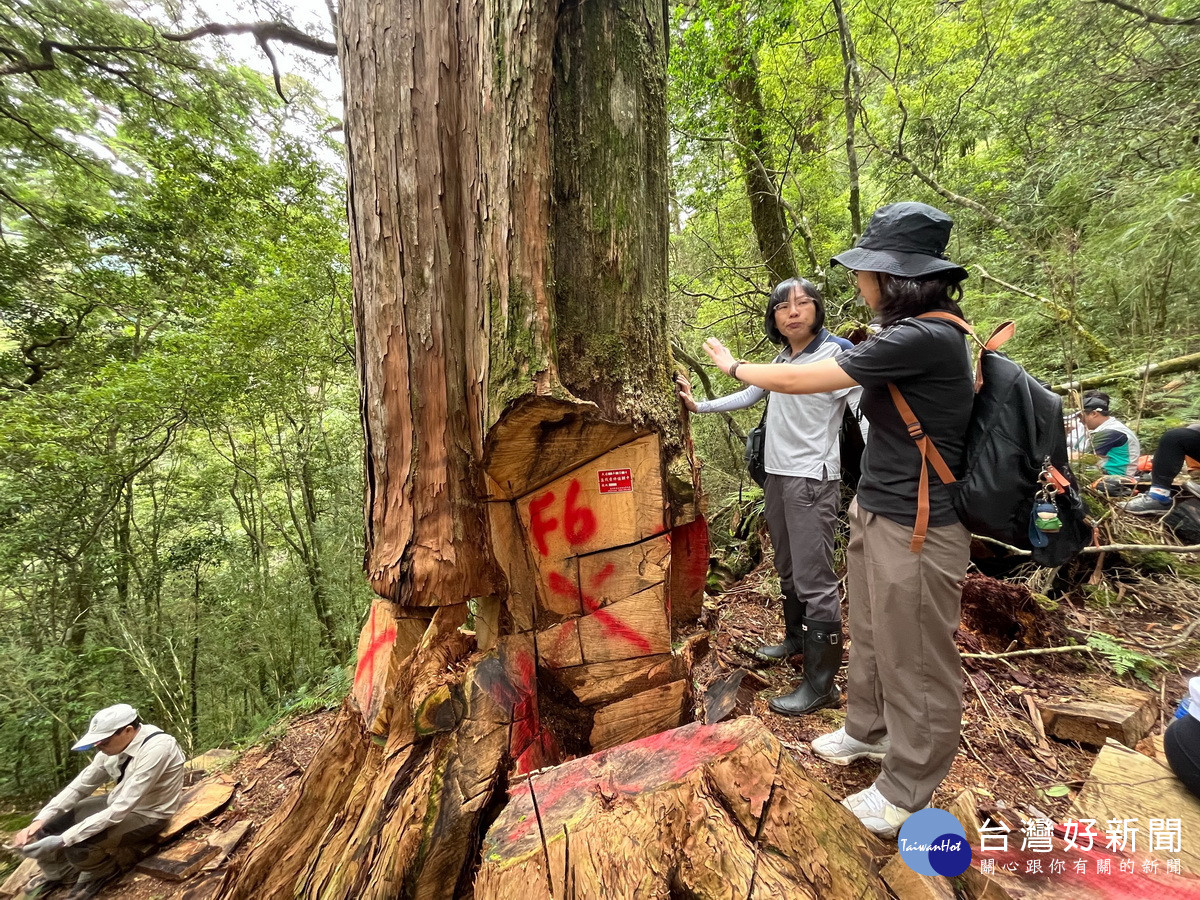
904,239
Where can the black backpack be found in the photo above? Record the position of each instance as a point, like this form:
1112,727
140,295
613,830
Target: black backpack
1184,520
1015,464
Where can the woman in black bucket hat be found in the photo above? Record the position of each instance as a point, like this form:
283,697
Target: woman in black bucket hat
904,679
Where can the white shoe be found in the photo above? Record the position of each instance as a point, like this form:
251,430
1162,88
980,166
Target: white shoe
879,816
841,749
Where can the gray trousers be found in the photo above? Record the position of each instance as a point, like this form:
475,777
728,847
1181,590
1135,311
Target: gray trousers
801,517
905,675
107,853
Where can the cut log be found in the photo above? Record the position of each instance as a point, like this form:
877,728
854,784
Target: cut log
226,842
1125,784
909,885
964,809
14,884
649,712
200,802
539,438
180,862
1119,713
700,811
209,760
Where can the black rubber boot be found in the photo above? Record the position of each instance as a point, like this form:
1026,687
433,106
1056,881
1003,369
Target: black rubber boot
822,658
793,633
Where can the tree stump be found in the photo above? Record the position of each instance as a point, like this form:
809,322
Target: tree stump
703,811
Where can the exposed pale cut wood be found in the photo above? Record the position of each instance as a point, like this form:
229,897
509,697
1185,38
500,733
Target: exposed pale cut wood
649,712
607,681
14,884
179,862
373,662
513,551
539,438
909,885
1119,713
226,842
635,626
199,802
964,809
700,811
574,515
613,575
1125,784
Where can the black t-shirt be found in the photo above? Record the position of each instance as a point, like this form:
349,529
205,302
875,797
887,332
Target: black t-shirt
928,360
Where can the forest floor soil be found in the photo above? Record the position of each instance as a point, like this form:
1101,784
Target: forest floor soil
1005,761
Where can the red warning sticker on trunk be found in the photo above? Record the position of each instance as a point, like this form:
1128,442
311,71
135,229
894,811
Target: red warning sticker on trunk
616,481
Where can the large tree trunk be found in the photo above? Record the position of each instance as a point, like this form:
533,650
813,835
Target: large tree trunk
507,178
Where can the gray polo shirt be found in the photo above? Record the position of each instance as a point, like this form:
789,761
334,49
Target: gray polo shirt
802,429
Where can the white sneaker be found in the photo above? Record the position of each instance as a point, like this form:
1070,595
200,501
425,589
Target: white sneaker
875,812
841,749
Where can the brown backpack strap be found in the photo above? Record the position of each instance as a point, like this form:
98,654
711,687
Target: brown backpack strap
929,455
998,338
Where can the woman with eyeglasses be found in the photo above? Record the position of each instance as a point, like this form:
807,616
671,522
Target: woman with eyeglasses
904,681
802,489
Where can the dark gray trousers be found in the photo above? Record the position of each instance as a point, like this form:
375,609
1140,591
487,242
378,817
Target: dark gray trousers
112,850
801,518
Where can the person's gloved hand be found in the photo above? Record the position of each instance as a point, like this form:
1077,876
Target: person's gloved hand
43,848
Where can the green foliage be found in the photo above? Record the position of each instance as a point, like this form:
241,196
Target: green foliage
180,450
1123,660
1060,135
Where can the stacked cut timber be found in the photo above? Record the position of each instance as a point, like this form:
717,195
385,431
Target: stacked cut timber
702,811
599,568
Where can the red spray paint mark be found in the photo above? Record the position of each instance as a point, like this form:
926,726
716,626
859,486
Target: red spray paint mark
539,526
364,672
614,626
659,759
579,522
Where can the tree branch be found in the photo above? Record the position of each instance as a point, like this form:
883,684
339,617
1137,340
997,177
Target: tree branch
1153,18
262,31
1167,366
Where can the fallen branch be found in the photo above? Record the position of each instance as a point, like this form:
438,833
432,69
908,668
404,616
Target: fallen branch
1037,651
1098,379
1091,551
1144,548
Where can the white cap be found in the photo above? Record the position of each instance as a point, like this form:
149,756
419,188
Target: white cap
1194,695
106,723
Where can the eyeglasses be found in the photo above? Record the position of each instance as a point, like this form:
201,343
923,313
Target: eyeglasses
799,304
